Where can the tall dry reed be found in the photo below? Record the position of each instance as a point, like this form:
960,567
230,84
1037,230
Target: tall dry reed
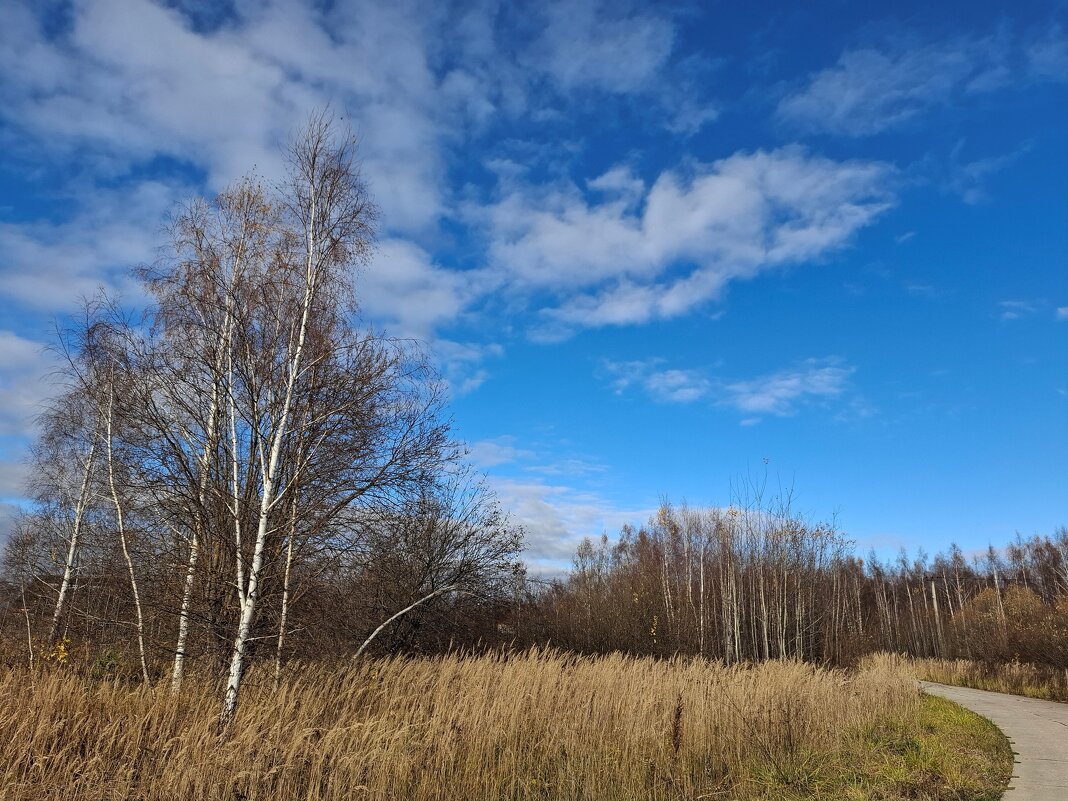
1018,678
537,725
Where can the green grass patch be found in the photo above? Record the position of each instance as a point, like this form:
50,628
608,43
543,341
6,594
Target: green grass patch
942,753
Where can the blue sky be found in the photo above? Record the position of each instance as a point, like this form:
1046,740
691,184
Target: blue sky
654,248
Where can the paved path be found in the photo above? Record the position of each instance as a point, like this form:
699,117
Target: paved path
1038,731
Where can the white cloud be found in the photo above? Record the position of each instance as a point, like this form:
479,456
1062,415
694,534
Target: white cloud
621,183
585,45
132,80
1062,313
781,394
569,466
1048,57
872,90
556,517
50,266
553,494
405,290
24,365
496,451
689,117
1015,309
968,178
668,385
678,386
411,296
614,261
13,475
126,86
126,81
8,514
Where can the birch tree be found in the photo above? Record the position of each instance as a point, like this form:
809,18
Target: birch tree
64,458
327,230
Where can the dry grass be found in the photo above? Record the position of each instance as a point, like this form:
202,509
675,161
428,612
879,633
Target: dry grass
540,725
1018,678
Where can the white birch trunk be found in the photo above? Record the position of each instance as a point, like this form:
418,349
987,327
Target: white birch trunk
119,520
284,616
269,471
178,671
401,613
72,550
29,628
205,461
235,485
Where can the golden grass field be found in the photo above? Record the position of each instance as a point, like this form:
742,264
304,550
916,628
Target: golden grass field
537,725
1018,678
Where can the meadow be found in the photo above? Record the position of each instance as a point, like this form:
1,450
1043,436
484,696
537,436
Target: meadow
540,724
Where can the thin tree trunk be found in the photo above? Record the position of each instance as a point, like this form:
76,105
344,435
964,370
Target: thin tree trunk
270,472
939,641
72,550
183,615
404,611
235,484
29,628
701,626
284,616
122,539
210,441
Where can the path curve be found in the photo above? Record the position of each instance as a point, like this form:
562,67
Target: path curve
1038,731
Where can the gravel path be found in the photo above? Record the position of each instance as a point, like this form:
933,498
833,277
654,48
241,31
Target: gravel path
1038,731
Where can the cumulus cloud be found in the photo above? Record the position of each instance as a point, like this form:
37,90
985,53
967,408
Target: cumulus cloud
129,81
556,517
411,295
553,494
626,257
124,90
8,514
126,106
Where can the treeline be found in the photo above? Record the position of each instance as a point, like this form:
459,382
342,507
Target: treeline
746,583
242,471
754,582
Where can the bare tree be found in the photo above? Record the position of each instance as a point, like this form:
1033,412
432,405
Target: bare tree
64,458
